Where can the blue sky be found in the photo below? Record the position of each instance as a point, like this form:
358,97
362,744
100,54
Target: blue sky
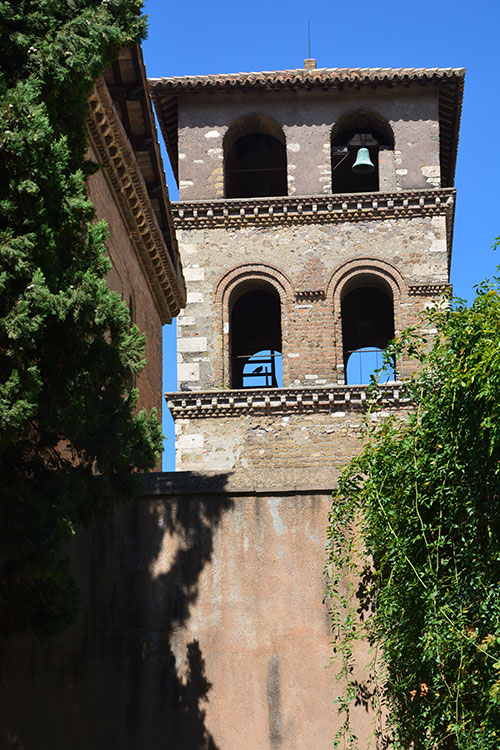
223,37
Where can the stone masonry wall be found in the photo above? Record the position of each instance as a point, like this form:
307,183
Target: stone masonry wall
302,258
307,118
299,445
127,278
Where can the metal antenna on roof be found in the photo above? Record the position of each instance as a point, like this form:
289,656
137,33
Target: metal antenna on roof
309,64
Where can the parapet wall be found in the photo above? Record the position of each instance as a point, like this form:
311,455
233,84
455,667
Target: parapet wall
203,627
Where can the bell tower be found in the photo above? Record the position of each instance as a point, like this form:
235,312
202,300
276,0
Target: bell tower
314,223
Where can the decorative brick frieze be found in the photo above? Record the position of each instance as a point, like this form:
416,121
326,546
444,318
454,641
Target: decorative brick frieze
115,152
429,290
310,295
278,401
329,209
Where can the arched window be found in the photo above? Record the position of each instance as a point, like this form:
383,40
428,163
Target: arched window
255,336
255,158
357,139
367,327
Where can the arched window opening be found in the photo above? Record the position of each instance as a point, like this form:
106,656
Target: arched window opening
255,159
367,328
356,142
255,339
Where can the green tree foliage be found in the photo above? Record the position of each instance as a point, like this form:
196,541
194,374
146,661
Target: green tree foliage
423,501
69,434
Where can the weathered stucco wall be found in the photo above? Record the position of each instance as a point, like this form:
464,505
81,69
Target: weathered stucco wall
307,118
203,628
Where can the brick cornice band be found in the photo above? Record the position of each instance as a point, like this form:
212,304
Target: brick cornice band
317,209
113,149
235,403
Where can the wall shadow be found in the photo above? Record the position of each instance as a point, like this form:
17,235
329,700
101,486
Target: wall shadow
127,674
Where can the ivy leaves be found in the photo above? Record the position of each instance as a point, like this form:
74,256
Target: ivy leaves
420,507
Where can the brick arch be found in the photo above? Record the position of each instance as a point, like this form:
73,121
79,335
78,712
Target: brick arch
352,121
252,122
358,118
252,128
224,289
344,277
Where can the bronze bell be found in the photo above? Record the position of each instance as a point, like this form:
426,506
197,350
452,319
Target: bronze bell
363,163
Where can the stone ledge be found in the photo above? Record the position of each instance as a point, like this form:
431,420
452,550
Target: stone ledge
274,401
234,483
327,209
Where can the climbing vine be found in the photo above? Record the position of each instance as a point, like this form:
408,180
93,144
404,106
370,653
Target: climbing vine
414,544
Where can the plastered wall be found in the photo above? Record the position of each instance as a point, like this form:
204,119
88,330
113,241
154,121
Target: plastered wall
203,628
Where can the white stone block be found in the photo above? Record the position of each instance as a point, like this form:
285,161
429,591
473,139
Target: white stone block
185,184
194,274
194,297
192,344
185,320
188,372
212,134
293,146
190,442
431,171
180,424
438,245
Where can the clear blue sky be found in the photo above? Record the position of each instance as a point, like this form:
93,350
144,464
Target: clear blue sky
222,37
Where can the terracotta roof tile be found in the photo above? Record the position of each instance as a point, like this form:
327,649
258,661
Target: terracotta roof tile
302,77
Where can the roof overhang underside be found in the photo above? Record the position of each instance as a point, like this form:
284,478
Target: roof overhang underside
128,88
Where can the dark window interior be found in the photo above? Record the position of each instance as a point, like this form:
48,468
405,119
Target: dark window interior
256,167
367,320
255,328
